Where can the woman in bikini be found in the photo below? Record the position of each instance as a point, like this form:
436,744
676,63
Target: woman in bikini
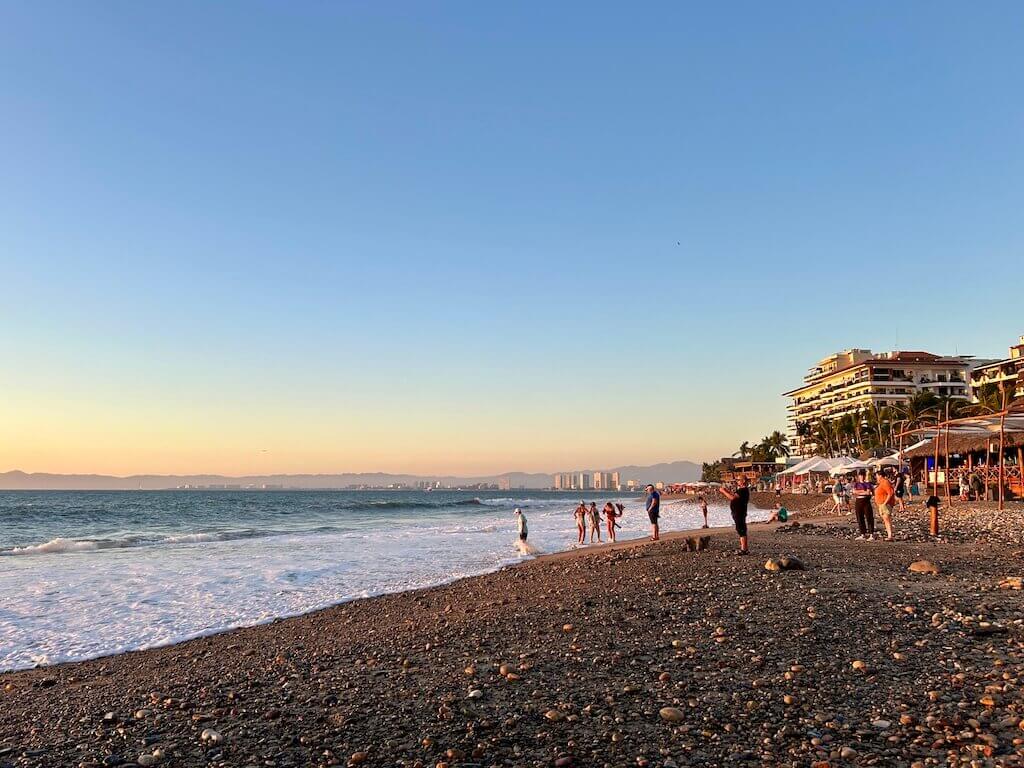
581,523
610,513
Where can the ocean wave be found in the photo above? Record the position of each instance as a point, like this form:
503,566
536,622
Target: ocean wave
393,504
61,545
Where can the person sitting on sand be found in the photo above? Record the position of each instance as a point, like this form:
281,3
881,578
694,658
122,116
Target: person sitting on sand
738,501
704,509
779,514
653,507
521,523
581,523
610,513
595,522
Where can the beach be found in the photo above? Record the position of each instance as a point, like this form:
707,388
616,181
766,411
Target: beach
641,654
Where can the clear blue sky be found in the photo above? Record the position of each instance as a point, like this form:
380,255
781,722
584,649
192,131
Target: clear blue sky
480,236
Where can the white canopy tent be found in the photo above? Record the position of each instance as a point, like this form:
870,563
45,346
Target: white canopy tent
885,461
845,469
818,464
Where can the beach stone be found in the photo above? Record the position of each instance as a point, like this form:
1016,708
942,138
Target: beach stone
792,563
923,566
554,715
881,725
147,760
672,714
211,736
772,565
847,753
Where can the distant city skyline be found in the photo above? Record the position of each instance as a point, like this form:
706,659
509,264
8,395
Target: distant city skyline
461,239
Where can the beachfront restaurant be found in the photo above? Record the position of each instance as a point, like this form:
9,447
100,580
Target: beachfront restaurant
968,457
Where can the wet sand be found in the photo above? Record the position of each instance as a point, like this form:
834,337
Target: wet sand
630,654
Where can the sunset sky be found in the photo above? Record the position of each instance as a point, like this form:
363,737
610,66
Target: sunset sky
477,237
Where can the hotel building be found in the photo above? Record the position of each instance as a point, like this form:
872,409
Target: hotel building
850,381
1004,373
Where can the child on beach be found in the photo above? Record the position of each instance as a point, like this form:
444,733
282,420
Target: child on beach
595,522
704,509
521,524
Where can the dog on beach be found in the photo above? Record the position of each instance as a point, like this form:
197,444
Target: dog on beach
696,543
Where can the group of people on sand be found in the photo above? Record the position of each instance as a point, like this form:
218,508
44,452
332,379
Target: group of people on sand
589,518
888,490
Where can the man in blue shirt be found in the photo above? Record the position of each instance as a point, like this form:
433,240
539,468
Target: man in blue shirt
653,510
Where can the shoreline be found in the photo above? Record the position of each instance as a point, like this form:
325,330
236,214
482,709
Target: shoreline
574,656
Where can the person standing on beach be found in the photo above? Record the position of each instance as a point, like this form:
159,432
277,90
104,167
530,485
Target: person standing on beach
704,509
901,490
521,523
595,522
862,491
738,501
610,513
581,523
837,495
884,495
653,507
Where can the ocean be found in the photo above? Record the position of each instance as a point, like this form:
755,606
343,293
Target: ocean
87,574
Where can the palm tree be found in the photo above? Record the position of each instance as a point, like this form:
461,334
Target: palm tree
744,450
847,431
919,409
825,436
778,444
954,406
878,421
991,399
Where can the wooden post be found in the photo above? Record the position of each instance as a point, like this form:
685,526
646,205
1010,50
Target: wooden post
1002,450
1020,470
945,450
935,478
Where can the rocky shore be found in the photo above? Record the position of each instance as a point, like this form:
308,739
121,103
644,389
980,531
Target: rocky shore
639,655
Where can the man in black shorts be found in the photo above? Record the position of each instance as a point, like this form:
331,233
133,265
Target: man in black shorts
738,501
653,510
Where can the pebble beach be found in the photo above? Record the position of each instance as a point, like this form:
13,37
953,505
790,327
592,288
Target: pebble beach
642,654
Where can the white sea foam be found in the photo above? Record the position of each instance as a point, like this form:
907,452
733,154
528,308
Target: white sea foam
55,546
77,599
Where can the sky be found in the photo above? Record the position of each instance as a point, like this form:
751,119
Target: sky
253,237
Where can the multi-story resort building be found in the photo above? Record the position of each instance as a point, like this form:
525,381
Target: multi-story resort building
1006,373
850,381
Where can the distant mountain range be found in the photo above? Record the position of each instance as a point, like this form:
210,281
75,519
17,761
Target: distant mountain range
674,472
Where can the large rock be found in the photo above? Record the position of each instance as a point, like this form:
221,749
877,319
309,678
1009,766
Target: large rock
923,566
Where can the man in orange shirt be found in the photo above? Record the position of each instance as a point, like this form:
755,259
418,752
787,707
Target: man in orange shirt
884,496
